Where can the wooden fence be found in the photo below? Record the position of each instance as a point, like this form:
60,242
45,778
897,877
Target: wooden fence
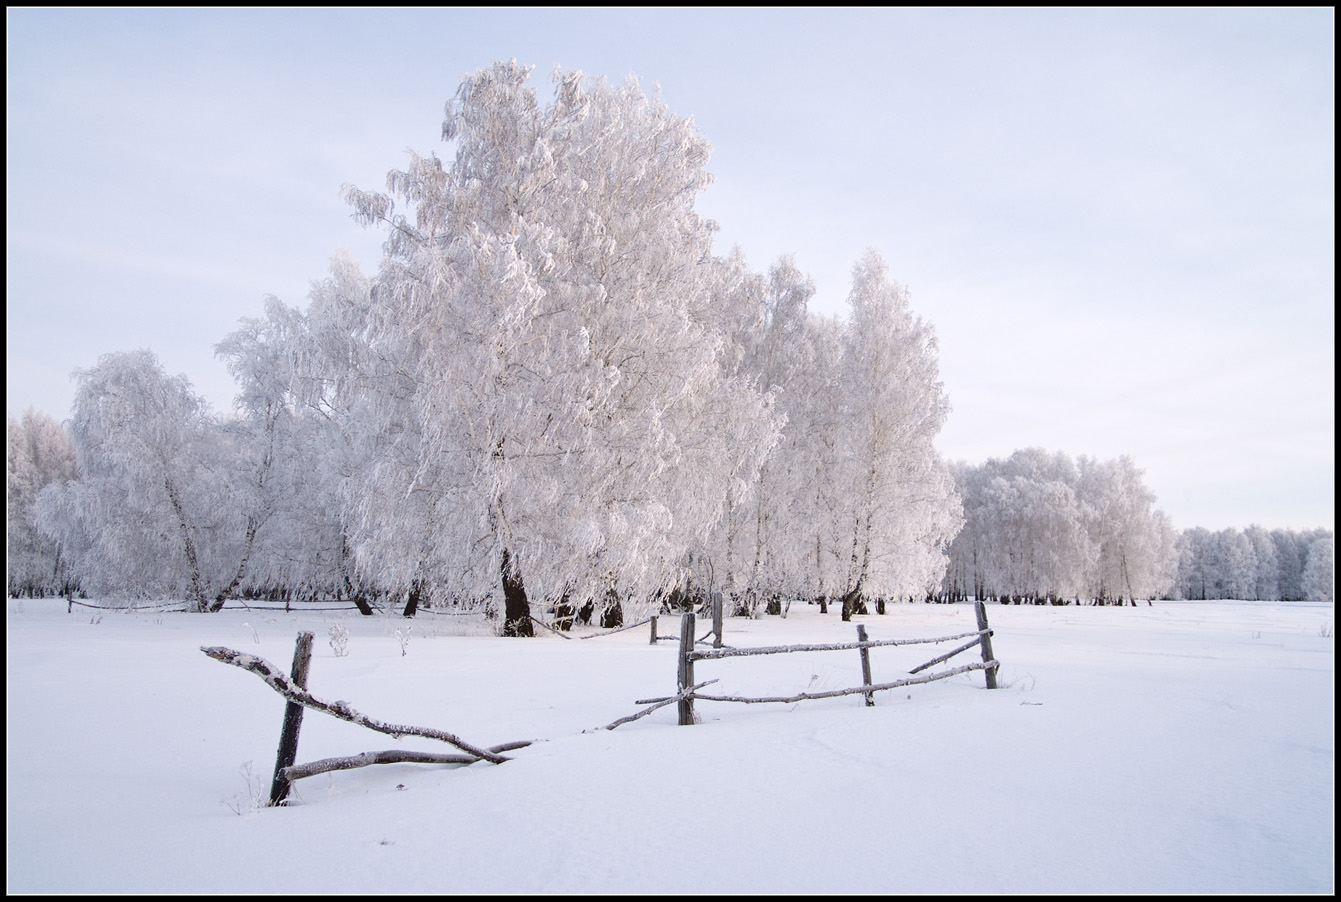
715,633
687,690
293,687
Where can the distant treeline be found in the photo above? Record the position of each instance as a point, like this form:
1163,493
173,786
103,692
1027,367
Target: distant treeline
1041,527
1256,564
1038,528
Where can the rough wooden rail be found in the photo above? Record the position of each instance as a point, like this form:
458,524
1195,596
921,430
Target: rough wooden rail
294,690
686,693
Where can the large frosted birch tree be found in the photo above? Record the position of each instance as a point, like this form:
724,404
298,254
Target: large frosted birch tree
558,420
165,503
899,504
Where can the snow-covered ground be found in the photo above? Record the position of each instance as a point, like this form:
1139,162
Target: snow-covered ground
1184,747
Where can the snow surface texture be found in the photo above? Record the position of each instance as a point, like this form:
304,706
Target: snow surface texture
1184,747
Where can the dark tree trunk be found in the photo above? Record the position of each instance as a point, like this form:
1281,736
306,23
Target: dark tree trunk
357,597
416,596
824,604
198,600
681,599
516,609
613,615
853,603
564,612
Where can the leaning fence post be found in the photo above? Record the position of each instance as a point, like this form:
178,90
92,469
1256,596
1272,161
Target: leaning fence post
653,640
716,620
865,664
986,643
685,676
293,719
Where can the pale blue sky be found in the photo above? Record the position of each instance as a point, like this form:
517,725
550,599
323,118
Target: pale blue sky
1120,222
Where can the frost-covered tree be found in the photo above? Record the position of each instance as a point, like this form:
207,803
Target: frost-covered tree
898,500
164,505
765,539
1319,578
1233,565
1040,526
300,548
965,576
38,453
554,414
1266,583
1136,554
1193,580
1290,555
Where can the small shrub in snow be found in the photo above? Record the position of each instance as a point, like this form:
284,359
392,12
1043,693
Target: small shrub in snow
403,637
340,639
248,800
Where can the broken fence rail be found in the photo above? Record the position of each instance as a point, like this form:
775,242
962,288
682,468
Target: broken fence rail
293,689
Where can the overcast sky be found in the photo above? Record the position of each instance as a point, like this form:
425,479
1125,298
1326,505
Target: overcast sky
1121,223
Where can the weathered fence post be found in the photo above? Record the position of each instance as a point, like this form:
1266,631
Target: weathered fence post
865,664
716,621
981,610
293,719
685,676
653,640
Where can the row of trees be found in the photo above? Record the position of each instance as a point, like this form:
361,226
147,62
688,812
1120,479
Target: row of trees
38,453
1041,527
1254,563
1030,529
1044,527
551,388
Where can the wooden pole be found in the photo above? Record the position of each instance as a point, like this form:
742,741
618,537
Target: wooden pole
293,720
717,620
653,640
685,676
981,610
865,664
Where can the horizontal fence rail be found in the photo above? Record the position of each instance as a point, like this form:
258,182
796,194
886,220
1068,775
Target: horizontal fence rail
687,692
835,646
